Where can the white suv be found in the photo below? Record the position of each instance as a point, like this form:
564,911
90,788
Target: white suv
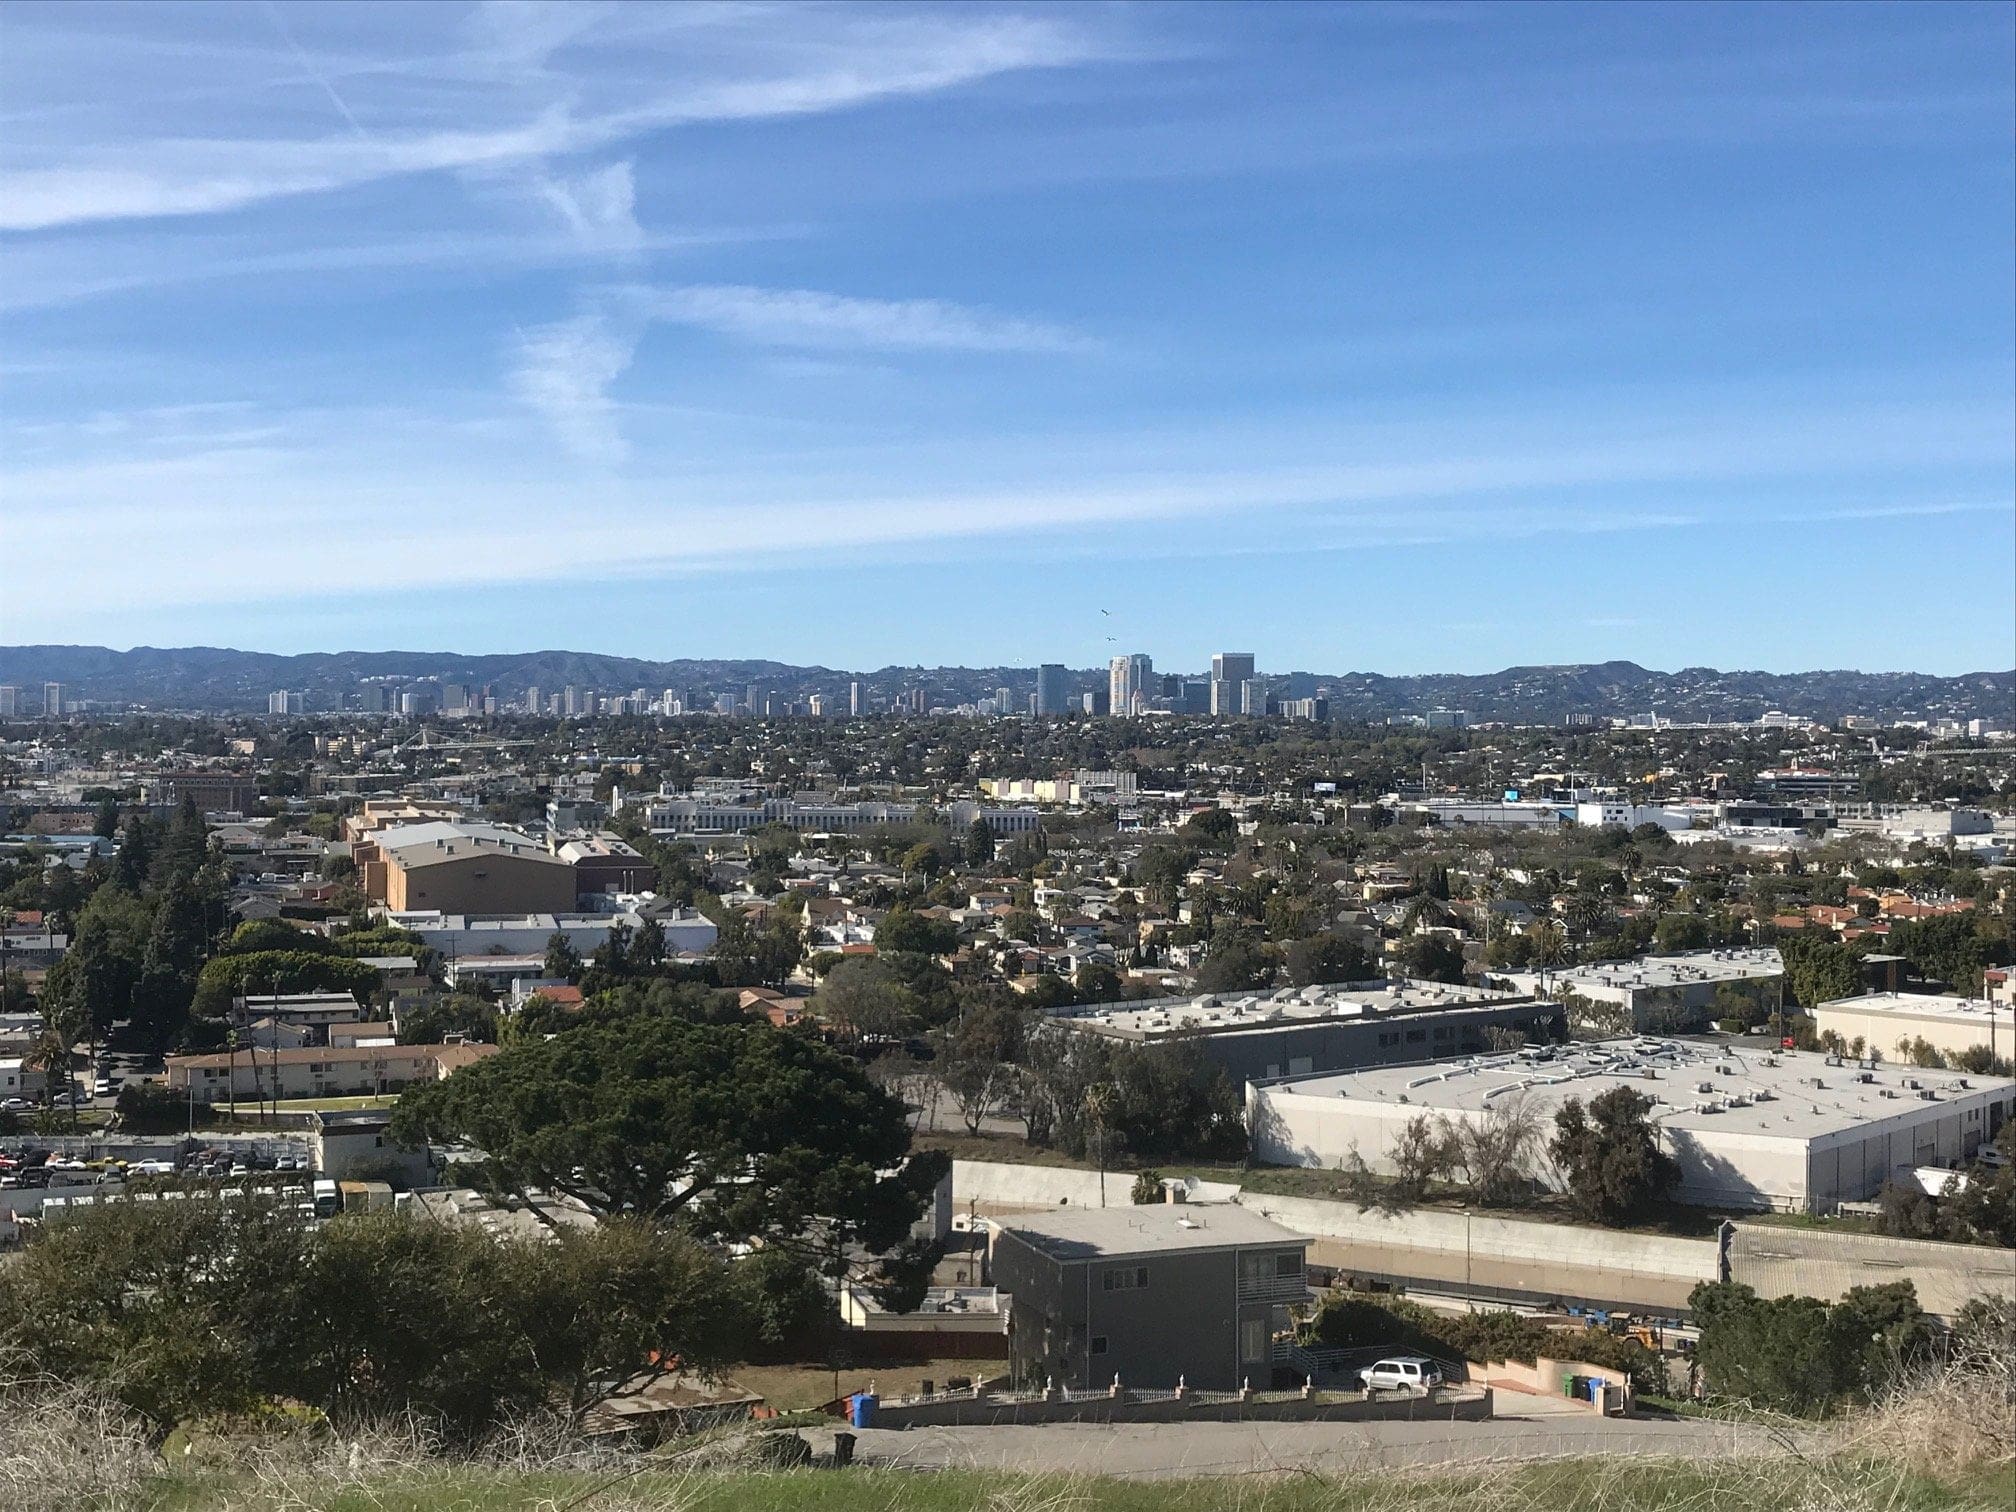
1414,1372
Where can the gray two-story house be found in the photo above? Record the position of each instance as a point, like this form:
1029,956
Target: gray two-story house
1151,1294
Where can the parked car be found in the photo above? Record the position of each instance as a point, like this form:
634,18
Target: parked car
1414,1372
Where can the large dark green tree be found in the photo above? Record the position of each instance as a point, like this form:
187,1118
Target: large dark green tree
1803,1355
1609,1152
1326,958
733,1133
95,981
174,955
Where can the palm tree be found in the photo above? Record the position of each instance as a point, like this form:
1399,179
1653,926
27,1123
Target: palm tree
51,1055
1099,1101
1550,946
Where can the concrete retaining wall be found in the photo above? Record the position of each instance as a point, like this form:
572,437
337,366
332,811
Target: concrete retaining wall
1467,1406
1493,1238
986,1184
1543,1378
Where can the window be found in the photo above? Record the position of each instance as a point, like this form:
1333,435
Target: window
1416,1036
1289,1263
1125,1278
1098,1344
1441,1031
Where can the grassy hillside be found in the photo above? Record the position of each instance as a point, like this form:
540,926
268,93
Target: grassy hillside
1613,1485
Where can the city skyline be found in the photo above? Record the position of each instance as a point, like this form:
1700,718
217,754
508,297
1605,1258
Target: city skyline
1417,338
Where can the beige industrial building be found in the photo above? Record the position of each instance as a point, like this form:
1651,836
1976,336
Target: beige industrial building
330,1071
463,868
1784,1130
1892,1022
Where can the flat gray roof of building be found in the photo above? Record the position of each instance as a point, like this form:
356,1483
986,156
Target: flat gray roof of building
1667,970
1732,1089
1151,1229
1288,1007
1926,1005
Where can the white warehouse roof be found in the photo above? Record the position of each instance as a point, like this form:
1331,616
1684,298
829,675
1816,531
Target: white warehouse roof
1697,1086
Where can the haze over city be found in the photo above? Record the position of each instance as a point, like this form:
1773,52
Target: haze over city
1387,337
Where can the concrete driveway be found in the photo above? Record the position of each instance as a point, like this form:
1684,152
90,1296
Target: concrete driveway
1151,1450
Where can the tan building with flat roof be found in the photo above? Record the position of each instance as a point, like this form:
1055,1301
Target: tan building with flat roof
1892,1022
463,868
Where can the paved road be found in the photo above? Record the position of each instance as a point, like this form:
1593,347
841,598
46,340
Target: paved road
1152,1450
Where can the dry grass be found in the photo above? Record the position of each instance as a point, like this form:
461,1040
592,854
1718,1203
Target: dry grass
64,1448
1942,1441
1959,1414
807,1384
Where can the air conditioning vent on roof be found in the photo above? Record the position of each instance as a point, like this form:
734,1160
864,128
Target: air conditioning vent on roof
1704,1086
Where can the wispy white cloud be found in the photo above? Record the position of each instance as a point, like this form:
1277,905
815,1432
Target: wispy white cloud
599,206
807,318
403,518
564,371
510,100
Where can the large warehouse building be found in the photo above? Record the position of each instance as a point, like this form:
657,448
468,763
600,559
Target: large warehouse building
462,868
1796,1132
1300,1030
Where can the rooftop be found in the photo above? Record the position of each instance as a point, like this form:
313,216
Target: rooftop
1929,1006
1154,1229
1696,1085
1671,970
1228,1013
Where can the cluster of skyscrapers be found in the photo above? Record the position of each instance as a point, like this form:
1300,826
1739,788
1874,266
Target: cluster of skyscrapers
1132,687
55,701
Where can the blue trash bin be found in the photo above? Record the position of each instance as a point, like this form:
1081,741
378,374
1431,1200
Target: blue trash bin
864,1409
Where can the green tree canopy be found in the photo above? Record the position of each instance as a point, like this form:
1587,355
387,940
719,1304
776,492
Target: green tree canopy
225,977
905,930
733,1133
1610,1155
1326,958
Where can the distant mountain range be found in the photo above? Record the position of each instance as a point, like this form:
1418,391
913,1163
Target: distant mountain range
210,678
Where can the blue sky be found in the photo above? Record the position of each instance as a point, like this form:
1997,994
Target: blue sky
1387,337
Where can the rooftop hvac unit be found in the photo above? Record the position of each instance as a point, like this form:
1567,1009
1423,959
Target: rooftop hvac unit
1868,1076
1815,1081
1912,1084
1725,1070
1926,1094
1833,1060
1889,1092
1704,1086
1762,1094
